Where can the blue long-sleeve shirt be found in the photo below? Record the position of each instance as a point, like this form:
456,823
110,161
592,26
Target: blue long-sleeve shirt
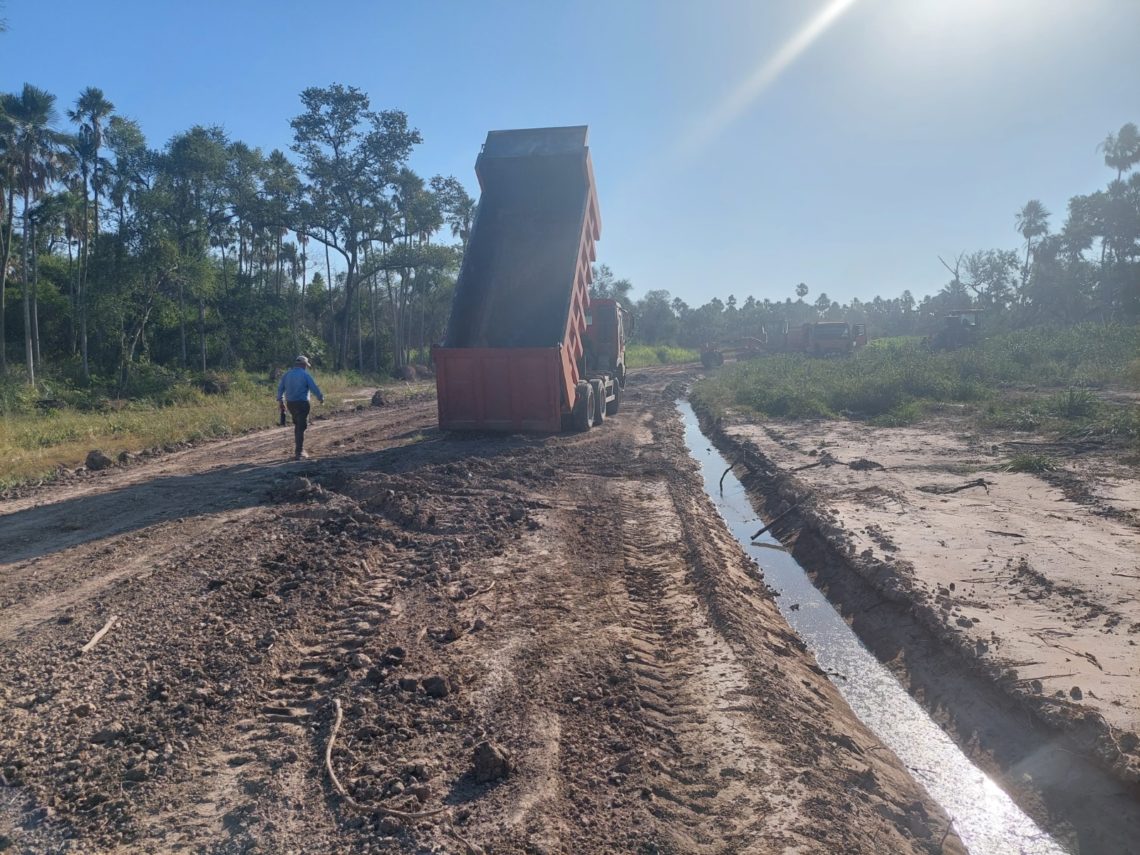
296,384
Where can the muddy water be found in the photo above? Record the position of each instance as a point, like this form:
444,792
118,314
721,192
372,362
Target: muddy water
985,817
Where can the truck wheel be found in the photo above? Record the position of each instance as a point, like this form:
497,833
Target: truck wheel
584,407
612,406
599,401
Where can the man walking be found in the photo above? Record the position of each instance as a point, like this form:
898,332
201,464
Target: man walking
293,391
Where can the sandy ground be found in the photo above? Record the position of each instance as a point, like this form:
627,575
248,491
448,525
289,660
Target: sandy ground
1036,576
539,645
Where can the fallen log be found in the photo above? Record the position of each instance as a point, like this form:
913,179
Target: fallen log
825,459
726,471
776,520
940,490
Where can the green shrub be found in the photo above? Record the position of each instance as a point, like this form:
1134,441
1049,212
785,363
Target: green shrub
1032,463
901,416
1073,404
644,355
891,381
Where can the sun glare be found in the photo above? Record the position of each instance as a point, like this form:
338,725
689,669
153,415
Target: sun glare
730,108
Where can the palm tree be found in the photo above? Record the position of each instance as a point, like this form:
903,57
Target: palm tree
91,109
1032,221
8,205
1122,149
35,142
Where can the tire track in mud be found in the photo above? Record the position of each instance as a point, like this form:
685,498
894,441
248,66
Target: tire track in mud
572,599
238,780
689,686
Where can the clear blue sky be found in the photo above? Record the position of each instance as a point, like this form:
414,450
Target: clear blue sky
887,133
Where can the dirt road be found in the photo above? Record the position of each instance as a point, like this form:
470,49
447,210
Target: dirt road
540,645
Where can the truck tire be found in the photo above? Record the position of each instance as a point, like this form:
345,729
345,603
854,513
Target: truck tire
584,407
613,406
599,388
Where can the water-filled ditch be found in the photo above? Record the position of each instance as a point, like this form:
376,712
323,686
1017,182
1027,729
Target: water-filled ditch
986,819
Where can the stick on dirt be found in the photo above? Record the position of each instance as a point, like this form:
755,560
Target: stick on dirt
939,490
945,834
349,800
776,520
469,848
97,636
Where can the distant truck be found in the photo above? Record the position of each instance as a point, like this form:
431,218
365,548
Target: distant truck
825,338
525,348
714,354
831,338
959,329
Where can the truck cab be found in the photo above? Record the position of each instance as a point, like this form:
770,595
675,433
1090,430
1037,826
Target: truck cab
607,326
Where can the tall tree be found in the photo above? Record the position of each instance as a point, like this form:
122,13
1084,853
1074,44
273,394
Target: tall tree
608,286
1122,149
457,205
9,161
351,154
32,114
193,178
91,111
1032,221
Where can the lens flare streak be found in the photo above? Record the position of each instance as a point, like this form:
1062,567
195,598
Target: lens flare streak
744,95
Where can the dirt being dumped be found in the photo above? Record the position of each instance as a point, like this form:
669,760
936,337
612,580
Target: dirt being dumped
419,642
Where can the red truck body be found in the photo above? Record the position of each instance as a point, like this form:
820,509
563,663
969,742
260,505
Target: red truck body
515,356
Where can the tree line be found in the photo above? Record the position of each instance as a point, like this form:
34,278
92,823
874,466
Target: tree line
1088,270
117,258
208,252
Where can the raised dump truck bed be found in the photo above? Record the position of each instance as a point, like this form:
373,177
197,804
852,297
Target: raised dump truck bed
518,353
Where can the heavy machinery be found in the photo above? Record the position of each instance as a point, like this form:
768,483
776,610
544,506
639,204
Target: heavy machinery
715,354
959,329
525,348
825,338
833,338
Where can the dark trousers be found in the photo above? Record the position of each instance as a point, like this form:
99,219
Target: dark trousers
299,410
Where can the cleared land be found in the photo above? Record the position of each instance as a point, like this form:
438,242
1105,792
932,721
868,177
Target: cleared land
571,604
988,549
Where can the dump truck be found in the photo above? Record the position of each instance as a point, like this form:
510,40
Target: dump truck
525,347
825,338
714,354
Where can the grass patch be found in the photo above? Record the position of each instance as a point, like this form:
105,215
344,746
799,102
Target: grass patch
35,444
1032,463
645,355
1073,404
896,381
